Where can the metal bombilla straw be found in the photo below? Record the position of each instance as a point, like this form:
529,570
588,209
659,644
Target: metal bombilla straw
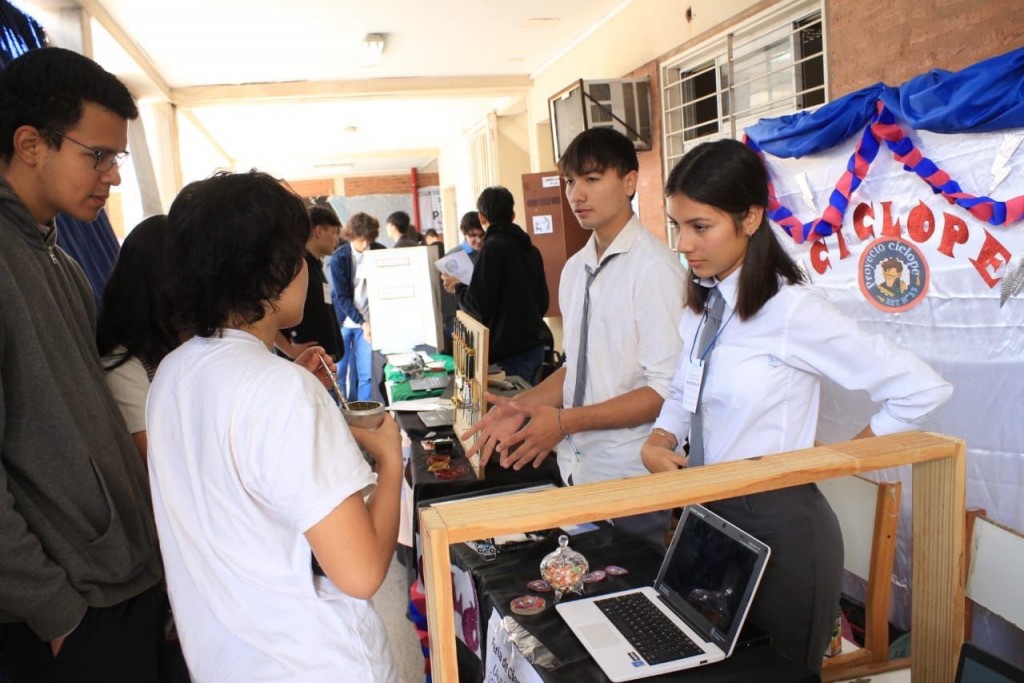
334,383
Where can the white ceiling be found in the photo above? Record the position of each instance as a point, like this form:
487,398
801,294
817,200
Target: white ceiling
300,104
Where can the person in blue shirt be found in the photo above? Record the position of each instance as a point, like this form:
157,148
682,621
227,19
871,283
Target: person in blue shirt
472,243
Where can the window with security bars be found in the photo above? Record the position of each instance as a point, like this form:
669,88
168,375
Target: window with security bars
768,68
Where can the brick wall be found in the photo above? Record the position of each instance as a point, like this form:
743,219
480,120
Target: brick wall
893,40
356,186
319,187
651,183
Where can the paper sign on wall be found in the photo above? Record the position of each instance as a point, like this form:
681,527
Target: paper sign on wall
542,225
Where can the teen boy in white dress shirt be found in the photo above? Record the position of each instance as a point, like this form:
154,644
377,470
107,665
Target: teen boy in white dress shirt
632,343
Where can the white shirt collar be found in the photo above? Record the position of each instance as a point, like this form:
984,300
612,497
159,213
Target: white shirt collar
727,288
621,244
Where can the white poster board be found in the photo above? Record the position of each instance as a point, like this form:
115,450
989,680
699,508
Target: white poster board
404,293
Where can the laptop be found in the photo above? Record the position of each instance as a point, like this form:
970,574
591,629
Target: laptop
442,417
429,383
978,666
690,617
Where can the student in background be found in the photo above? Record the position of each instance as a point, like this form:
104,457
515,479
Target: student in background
508,292
778,337
472,242
251,464
319,326
351,305
402,231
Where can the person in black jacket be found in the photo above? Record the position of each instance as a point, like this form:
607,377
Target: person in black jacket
402,231
508,292
319,326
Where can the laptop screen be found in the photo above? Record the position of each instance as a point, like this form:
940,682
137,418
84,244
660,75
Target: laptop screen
711,574
978,666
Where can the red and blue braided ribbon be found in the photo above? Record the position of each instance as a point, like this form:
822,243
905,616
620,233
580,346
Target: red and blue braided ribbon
883,127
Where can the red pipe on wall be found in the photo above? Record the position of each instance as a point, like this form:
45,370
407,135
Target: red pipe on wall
415,178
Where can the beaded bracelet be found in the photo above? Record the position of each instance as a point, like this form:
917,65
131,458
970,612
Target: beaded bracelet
560,430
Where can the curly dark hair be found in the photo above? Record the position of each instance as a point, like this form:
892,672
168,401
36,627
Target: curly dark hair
136,312
46,89
892,262
239,239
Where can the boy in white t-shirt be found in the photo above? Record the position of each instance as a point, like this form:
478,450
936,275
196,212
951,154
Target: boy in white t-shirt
252,466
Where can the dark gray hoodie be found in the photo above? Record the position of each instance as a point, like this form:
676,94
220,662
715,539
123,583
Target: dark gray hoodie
76,522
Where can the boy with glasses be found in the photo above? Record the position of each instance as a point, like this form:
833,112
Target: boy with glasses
80,599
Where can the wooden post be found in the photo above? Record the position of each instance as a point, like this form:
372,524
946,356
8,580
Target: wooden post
937,577
938,504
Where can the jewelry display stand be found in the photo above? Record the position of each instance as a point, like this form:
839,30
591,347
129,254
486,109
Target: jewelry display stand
470,341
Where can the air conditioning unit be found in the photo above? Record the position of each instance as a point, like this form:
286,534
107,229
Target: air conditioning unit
623,104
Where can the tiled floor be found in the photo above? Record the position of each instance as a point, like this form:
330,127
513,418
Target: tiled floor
392,602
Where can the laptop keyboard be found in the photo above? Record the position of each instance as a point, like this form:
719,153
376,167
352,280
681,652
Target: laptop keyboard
646,627
429,383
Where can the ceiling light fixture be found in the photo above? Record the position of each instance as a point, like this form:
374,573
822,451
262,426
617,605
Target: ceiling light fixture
371,49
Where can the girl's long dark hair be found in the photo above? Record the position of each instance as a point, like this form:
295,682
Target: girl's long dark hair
135,313
729,176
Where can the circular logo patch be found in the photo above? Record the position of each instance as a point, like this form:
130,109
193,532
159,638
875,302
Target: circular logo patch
893,274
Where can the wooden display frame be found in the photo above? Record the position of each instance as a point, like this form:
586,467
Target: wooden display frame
471,372
939,494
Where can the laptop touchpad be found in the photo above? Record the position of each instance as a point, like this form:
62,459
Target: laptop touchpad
600,635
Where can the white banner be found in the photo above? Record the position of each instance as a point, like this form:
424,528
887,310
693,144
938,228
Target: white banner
927,274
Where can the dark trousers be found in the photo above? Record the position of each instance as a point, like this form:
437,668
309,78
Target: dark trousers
798,598
650,527
526,364
119,644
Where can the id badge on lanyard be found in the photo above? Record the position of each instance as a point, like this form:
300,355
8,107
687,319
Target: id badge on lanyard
694,377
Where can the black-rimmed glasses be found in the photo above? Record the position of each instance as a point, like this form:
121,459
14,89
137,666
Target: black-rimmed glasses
103,159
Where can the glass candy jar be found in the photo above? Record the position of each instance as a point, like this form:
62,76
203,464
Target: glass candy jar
564,569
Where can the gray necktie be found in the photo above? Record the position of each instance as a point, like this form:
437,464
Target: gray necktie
581,357
716,306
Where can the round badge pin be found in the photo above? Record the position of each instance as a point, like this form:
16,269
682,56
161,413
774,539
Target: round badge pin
527,605
539,585
616,570
594,576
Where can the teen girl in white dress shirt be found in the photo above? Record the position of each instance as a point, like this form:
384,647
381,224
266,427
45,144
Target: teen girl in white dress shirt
778,337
